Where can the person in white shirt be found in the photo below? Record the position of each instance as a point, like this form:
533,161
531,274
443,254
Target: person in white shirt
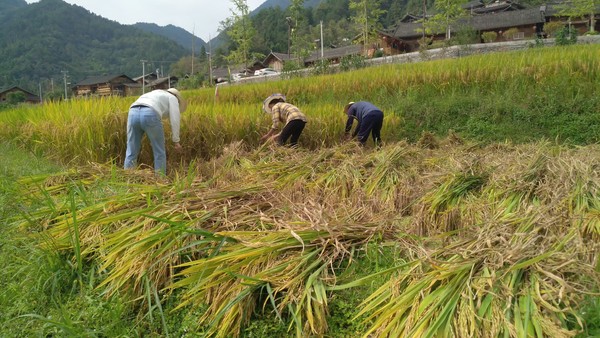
145,116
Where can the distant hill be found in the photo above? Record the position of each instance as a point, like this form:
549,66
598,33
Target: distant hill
40,40
177,34
285,4
7,6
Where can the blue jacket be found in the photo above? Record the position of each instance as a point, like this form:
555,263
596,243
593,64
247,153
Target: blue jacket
358,111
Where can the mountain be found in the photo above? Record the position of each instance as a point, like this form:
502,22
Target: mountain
7,6
177,34
41,40
220,39
283,4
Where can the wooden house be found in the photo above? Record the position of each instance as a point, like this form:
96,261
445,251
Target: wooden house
510,25
107,85
29,96
163,83
582,25
146,79
333,55
277,60
510,21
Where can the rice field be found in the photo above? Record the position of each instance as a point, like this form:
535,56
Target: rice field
523,96
433,235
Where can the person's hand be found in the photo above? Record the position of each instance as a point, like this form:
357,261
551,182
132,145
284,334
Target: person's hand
178,147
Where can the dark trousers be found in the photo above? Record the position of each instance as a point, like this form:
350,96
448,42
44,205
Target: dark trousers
294,129
371,123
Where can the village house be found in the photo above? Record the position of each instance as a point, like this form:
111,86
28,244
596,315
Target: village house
163,83
106,85
277,60
29,96
510,21
333,55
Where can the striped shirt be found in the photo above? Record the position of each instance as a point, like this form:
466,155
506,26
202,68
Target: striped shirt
284,113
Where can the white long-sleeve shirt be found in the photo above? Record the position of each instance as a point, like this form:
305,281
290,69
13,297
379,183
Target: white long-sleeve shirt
166,106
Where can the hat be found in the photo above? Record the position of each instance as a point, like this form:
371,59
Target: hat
348,107
270,99
182,102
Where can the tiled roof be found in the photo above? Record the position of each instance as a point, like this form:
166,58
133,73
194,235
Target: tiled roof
101,79
334,53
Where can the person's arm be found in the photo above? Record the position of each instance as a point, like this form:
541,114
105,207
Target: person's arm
175,119
351,116
275,119
268,135
349,124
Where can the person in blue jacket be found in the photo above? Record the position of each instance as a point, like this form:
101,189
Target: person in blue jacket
370,121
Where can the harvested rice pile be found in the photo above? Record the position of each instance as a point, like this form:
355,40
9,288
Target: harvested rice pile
496,240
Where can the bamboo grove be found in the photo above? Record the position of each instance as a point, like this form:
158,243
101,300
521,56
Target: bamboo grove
480,239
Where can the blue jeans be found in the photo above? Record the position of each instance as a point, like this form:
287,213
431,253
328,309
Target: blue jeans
145,120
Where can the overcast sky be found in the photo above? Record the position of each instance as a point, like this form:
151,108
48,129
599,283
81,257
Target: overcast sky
201,16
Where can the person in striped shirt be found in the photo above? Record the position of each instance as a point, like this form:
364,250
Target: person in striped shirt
283,113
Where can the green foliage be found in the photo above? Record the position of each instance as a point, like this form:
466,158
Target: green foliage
367,14
321,67
489,37
240,29
351,62
193,82
448,12
566,36
15,98
465,35
552,27
292,69
590,311
578,9
510,33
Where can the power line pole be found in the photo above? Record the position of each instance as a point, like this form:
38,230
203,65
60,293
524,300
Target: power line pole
144,76
65,72
289,22
210,77
321,39
193,38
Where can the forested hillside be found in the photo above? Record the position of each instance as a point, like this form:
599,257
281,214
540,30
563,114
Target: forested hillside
338,28
177,34
40,41
284,4
43,39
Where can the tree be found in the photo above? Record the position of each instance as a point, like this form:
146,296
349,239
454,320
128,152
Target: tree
241,31
15,98
299,34
579,9
366,17
448,12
